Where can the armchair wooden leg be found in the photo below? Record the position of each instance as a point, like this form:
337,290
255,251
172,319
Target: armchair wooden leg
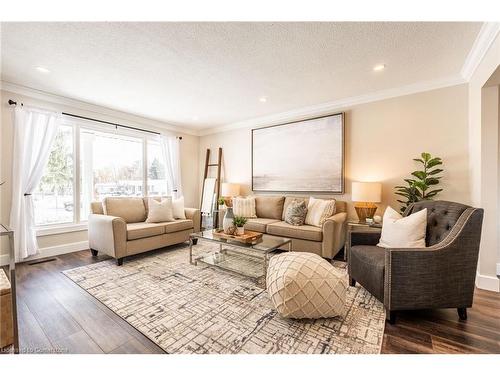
195,241
94,252
119,261
391,316
352,282
462,313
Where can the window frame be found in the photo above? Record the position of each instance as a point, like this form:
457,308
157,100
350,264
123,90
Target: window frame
77,126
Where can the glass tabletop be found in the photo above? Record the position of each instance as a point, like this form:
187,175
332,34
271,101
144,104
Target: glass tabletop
266,243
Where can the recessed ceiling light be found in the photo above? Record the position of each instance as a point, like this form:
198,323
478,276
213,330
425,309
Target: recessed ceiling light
379,67
43,70
263,99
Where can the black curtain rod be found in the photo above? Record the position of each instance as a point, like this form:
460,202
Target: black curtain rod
12,102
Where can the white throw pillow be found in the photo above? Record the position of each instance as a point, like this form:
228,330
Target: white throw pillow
318,210
244,207
159,212
403,232
178,208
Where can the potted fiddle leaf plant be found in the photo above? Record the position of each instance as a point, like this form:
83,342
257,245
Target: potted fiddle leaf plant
422,185
239,222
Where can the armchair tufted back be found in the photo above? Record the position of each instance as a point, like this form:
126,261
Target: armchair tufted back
441,217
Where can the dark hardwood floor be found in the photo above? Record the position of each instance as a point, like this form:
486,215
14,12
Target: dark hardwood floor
57,316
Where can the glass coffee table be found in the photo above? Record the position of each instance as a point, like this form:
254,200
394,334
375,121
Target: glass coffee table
250,259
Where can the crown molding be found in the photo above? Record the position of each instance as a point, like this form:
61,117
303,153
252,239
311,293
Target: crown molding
331,107
486,36
132,119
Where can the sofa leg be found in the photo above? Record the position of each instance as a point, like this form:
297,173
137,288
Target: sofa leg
462,313
119,261
391,317
352,282
194,240
94,252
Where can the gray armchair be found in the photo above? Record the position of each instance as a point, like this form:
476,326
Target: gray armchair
440,275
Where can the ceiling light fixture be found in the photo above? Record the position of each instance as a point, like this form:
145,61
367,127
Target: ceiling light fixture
43,70
263,99
379,67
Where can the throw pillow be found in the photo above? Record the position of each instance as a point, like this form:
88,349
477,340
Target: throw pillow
296,213
178,208
403,232
318,210
244,207
159,212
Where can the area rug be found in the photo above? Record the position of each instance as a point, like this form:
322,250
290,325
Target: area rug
201,309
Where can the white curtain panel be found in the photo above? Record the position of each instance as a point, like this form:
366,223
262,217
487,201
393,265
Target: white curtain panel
34,132
170,146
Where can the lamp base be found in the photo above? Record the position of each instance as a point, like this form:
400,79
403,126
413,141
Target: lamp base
365,210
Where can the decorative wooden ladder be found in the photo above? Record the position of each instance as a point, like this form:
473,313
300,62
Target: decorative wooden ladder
208,165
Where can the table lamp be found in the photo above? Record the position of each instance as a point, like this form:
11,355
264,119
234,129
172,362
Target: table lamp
364,196
230,190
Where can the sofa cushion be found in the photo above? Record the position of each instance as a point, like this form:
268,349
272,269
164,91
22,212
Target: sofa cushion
130,209
367,265
290,199
304,232
160,211
259,224
143,230
269,207
178,225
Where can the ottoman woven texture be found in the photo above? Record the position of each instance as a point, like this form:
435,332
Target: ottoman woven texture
304,285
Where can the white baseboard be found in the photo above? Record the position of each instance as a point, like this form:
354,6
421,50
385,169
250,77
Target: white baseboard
488,282
51,251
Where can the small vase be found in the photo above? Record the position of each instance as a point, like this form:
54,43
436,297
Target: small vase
240,231
227,223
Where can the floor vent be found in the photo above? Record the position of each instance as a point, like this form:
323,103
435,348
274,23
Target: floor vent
35,262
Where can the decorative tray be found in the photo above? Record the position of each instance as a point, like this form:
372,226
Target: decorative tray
248,237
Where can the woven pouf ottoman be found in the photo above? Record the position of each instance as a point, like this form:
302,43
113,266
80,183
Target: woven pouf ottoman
304,285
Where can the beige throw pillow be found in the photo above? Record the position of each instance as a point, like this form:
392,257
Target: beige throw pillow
318,210
160,211
178,208
403,232
244,207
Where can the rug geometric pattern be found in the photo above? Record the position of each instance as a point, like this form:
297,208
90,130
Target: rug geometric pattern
201,309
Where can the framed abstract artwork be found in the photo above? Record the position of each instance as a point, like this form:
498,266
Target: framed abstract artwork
300,156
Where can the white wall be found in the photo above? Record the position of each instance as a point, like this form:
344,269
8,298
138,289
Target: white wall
76,240
484,160
381,140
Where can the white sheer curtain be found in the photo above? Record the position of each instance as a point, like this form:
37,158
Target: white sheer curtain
171,154
34,132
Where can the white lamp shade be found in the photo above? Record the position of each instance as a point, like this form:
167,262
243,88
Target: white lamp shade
230,190
366,192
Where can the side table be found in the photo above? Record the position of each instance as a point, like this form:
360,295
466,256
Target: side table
355,227
4,231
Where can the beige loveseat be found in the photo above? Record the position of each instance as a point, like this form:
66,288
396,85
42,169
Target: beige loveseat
325,241
117,227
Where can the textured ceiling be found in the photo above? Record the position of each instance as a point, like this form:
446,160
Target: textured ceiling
202,75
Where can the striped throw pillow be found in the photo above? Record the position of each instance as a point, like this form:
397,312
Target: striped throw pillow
244,207
318,210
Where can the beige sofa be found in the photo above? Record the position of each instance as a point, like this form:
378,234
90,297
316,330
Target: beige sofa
117,228
325,241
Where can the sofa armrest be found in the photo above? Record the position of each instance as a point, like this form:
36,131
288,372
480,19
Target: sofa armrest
195,215
333,235
108,234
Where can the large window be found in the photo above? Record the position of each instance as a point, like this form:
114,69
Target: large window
157,183
53,198
108,163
